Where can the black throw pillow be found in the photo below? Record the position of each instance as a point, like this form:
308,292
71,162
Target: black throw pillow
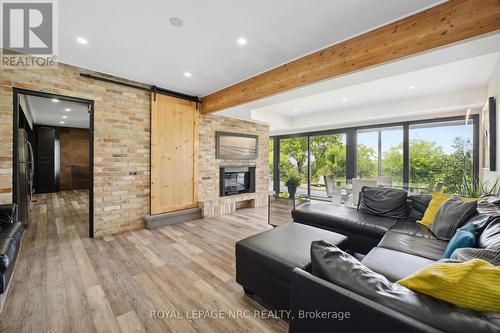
381,201
451,216
417,205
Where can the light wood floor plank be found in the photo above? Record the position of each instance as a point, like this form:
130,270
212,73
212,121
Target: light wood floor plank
65,282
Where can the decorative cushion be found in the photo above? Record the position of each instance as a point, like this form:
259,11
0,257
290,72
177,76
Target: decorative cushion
437,200
491,255
417,205
490,237
452,215
471,285
386,202
464,237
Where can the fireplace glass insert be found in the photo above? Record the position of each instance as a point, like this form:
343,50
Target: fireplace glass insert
236,180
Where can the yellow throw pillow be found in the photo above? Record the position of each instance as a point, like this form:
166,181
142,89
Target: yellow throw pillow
472,284
436,202
434,205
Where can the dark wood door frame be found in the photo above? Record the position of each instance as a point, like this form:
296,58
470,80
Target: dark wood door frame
15,127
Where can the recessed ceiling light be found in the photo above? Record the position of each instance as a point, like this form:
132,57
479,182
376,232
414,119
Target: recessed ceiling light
82,40
411,87
188,74
242,41
344,100
55,100
67,110
61,122
64,117
176,22
295,109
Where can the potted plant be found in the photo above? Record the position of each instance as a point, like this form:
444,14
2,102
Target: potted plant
293,180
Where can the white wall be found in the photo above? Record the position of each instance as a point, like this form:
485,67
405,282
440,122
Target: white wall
494,90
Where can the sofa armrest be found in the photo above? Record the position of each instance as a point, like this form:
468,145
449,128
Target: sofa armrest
8,213
320,306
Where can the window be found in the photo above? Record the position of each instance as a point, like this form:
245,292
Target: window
293,160
367,154
380,153
413,155
328,162
441,152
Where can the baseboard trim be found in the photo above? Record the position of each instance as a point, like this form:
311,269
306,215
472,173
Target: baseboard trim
164,219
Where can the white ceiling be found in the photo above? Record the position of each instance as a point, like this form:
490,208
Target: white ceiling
459,75
447,81
134,39
46,112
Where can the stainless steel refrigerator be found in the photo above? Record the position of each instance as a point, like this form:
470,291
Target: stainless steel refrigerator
25,173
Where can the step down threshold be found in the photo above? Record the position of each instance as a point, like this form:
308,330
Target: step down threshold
164,219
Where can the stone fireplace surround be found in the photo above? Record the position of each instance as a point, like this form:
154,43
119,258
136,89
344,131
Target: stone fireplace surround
209,198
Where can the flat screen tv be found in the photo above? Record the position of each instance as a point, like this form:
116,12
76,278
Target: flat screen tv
236,146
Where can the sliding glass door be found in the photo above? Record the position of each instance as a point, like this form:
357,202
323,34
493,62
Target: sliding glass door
327,162
379,153
416,156
441,153
294,161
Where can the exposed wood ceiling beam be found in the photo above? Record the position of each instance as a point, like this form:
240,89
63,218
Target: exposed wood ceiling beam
447,23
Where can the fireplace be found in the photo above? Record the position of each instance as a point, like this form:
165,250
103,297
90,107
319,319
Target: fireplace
236,180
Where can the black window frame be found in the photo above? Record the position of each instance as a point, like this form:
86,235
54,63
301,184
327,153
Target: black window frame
351,146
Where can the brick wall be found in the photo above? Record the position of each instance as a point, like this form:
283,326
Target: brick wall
121,142
121,147
208,165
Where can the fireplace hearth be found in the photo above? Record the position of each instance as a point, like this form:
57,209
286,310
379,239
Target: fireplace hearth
236,180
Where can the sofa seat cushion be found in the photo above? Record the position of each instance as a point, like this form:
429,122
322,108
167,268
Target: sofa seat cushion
11,230
420,246
342,218
278,251
412,228
394,265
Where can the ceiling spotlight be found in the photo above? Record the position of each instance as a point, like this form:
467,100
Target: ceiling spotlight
188,74
344,100
295,109
411,87
55,100
176,22
61,122
64,117
67,110
242,41
82,40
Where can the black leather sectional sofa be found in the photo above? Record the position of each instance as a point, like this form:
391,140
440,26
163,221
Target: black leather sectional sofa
394,248
11,232
377,252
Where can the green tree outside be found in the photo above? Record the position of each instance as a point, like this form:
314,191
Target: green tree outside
429,163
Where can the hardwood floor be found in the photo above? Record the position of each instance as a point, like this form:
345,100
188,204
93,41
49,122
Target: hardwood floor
65,282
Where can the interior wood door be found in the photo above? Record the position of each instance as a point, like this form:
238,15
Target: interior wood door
174,150
47,155
74,159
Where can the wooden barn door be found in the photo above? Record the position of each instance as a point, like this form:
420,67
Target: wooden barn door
174,145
